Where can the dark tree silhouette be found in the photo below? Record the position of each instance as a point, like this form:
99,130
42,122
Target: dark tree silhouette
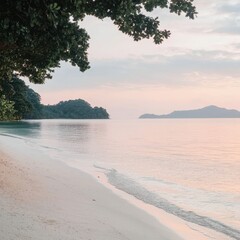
36,35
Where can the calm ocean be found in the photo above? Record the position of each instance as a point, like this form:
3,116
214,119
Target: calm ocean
187,167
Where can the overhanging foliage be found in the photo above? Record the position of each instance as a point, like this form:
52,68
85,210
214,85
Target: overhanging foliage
36,35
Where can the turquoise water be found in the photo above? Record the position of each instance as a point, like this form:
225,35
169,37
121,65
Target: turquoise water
189,168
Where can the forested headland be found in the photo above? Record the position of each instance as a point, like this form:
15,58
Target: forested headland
18,101
73,109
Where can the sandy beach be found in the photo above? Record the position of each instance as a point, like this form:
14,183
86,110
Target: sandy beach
48,200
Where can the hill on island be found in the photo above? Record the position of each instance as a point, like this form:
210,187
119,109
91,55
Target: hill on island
73,109
206,112
18,101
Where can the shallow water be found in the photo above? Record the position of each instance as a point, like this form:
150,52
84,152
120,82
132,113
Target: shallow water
187,167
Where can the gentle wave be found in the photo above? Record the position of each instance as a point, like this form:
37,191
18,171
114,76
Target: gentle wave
12,136
129,186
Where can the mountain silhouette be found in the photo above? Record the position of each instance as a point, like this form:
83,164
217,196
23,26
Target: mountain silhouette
206,112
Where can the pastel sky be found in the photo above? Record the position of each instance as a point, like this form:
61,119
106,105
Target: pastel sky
198,66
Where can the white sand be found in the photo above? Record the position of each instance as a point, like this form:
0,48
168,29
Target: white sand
49,200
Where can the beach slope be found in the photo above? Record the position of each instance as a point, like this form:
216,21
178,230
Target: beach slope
45,199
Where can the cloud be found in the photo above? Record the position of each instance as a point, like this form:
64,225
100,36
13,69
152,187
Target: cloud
236,46
168,70
229,8
230,26
231,29
189,68
228,18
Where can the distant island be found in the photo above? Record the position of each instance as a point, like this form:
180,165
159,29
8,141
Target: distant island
206,112
71,109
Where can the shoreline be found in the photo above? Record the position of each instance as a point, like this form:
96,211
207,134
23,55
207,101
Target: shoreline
43,199
56,197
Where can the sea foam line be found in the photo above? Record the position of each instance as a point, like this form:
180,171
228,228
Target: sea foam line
129,186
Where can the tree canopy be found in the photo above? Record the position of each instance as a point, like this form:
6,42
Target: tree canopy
36,35
7,110
25,101
18,101
73,109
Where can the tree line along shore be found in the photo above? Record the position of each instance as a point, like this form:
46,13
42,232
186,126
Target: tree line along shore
18,101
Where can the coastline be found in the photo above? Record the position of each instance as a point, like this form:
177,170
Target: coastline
45,199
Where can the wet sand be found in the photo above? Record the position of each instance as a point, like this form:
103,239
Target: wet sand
41,199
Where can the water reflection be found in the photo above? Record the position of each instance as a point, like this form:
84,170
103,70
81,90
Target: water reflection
21,128
78,135
193,163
